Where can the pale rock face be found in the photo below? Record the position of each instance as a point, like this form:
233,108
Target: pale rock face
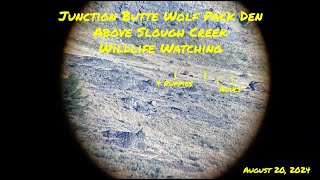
134,129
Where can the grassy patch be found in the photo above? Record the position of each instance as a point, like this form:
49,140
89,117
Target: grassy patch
74,100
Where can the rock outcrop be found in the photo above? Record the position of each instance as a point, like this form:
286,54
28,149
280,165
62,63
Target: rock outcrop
257,86
125,139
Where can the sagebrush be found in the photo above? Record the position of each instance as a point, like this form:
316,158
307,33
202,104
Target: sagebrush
75,101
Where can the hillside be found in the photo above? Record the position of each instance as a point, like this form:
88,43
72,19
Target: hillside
135,129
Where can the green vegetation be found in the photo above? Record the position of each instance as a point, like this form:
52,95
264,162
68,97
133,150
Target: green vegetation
73,95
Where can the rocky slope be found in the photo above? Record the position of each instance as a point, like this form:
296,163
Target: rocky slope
135,129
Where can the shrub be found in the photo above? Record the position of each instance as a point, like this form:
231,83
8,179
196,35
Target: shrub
185,72
193,157
155,173
74,100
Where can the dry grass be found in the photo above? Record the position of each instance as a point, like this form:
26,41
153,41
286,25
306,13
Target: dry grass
204,150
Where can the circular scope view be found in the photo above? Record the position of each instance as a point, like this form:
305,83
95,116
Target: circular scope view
165,115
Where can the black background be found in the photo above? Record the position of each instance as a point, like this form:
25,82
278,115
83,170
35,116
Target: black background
287,137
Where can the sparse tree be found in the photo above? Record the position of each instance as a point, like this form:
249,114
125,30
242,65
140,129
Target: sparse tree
74,100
